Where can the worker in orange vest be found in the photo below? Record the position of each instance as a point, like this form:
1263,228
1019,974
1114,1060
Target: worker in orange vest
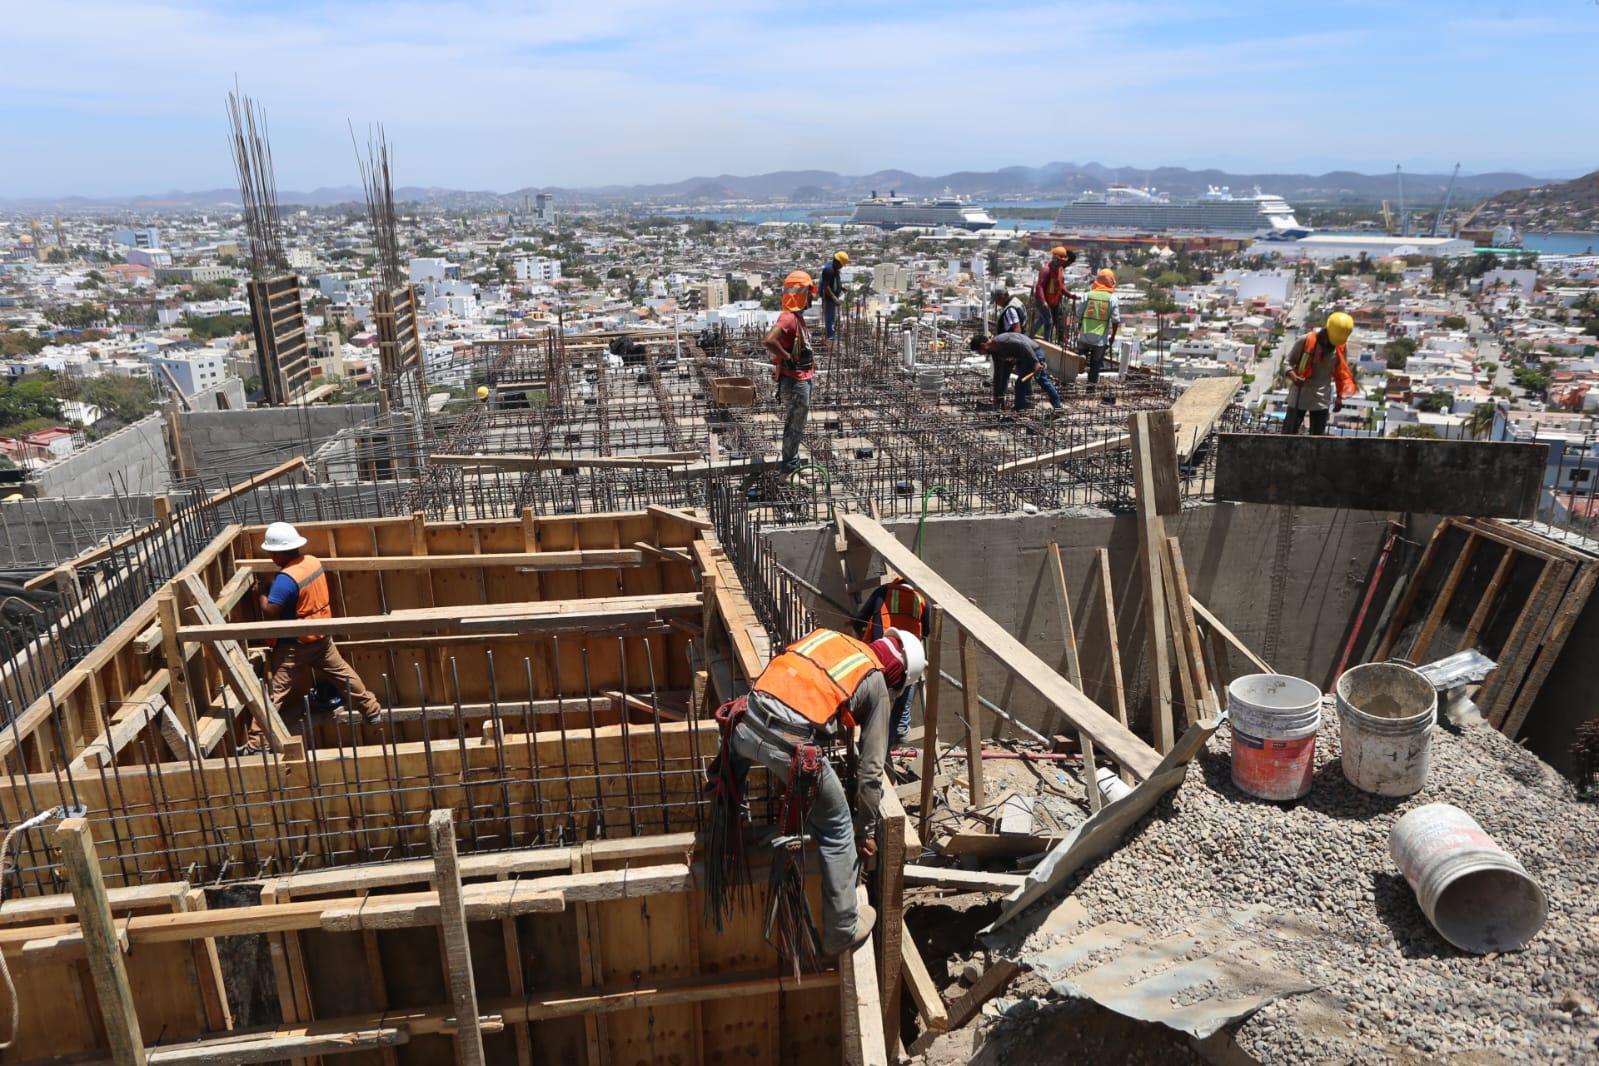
1318,375
896,605
819,686
795,361
1049,294
299,590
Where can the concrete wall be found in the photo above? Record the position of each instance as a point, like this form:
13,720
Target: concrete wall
241,443
1228,549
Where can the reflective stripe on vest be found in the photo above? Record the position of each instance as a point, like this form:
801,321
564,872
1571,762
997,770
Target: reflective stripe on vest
815,677
1311,340
901,609
314,600
1096,312
1051,283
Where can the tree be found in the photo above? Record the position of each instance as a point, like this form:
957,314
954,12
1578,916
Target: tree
125,399
1433,402
1397,352
213,290
1535,381
75,316
34,396
211,327
1454,322
1426,432
1480,423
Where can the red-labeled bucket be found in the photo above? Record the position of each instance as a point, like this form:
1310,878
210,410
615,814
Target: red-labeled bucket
1274,719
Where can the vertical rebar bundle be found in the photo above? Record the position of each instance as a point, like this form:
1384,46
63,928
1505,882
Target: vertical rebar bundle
258,190
377,182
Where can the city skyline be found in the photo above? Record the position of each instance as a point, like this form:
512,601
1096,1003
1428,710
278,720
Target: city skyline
103,99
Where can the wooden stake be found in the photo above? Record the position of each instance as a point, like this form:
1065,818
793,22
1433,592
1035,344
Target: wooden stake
930,691
974,720
111,986
458,953
1151,534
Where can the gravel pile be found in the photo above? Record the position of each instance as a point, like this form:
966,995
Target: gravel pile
1391,987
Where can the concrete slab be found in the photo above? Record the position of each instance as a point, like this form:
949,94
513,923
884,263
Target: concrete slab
1480,479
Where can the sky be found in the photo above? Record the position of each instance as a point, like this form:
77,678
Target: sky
117,97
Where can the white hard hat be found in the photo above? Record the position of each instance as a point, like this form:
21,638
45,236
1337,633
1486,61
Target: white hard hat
915,655
281,537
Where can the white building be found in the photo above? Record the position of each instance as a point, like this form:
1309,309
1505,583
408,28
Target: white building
538,268
1329,246
422,270
544,208
301,259
715,292
142,237
890,277
193,371
1276,287
150,257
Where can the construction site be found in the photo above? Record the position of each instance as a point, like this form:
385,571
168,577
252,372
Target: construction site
551,592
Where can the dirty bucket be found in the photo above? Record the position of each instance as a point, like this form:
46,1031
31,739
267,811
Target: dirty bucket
1111,786
1274,719
1386,716
1472,891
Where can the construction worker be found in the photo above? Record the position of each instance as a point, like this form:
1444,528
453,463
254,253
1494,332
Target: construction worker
299,590
1019,354
1318,374
1050,295
1099,319
817,687
896,605
795,362
1012,312
833,292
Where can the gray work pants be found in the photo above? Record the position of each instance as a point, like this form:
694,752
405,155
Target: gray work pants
796,398
829,823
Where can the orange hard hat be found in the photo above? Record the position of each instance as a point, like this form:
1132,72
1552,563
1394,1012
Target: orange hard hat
1059,251
1107,274
797,291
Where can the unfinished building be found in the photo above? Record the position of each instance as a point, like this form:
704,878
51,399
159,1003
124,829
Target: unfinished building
551,591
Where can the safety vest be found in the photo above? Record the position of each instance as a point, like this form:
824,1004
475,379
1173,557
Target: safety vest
1021,315
1343,380
314,600
817,676
901,609
1311,340
1096,312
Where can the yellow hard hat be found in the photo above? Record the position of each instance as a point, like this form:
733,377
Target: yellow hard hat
841,258
1339,327
482,392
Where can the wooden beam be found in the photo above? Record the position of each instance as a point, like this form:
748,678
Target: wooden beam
860,1009
973,720
1114,739
1064,455
890,932
457,952
1151,535
1490,596
929,1001
515,461
236,669
531,562
930,691
317,1039
1446,596
1407,602
1215,625
1193,650
1113,656
1195,413
963,880
681,517
112,991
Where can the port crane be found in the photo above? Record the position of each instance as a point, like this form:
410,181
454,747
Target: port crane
1449,194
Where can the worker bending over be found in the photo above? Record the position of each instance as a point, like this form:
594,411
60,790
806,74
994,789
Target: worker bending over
1019,354
299,591
833,292
1318,374
795,361
1012,313
1050,296
896,606
805,697
1099,319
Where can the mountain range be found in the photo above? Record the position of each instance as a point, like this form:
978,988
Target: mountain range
827,187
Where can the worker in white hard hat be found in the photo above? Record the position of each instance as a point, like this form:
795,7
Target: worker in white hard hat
818,687
299,590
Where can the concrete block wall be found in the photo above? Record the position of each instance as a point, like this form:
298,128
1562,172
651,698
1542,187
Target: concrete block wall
999,561
241,443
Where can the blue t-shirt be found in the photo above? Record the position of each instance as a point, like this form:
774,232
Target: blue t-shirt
285,593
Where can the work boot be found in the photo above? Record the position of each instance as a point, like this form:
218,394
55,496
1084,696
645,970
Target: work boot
865,920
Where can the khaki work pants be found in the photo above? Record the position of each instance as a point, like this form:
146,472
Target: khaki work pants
294,667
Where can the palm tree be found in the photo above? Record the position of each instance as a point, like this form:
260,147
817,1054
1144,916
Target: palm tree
1480,423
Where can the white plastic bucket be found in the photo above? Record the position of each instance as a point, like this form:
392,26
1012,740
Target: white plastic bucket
1274,719
1472,891
1111,786
1386,716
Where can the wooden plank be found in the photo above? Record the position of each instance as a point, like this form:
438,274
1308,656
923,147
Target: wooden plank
143,705
313,1040
515,461
1518,647
929,1002
1215,625
1441,602
531,562
1571,606
930,709
1195,413
1439,477
1113,656
995,979
1156,444
973,719
1152,534
1490,596
457,952
236,669
892,827
963,880
1064,455
1114,739
860,1008
683,518
111,987
1194,650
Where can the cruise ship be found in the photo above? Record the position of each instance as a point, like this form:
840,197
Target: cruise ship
1123,209
894,211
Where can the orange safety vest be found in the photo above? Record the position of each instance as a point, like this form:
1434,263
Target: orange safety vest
816,676
1342,378
901,609
314,600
